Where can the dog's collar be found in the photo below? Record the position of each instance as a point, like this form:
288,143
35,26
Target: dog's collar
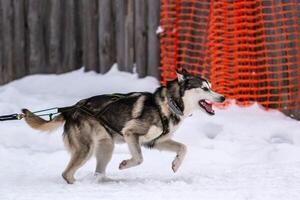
174,106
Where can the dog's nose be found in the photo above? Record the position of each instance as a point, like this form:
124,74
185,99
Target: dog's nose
222,99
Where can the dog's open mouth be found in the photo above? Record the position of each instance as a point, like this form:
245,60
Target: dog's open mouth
207,106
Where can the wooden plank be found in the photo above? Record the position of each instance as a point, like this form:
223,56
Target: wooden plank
120,33
153,39
129,36
19,39
55,36
36,45
90,34
1,44
70,29
125,34
78,24
141,37
106,35
7,41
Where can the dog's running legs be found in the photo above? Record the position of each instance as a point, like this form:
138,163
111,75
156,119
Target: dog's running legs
173,146
135,150
78,158
104,150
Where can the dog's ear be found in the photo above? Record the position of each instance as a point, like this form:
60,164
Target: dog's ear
181,74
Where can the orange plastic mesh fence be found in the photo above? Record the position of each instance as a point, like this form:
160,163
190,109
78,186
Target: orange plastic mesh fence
248,49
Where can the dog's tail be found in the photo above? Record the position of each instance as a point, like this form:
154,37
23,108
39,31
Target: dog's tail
41,124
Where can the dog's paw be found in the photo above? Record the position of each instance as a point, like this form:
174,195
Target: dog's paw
100,178
68,179
130,163
123,164
176,164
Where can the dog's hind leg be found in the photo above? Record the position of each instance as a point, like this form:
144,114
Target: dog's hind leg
104,150
78,158
80,153
173,146
135,150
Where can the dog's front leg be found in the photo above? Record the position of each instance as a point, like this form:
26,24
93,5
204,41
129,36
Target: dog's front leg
173,146
135,150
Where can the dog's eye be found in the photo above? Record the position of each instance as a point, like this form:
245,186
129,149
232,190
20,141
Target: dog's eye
205,89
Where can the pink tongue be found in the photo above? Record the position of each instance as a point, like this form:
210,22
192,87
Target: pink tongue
208,107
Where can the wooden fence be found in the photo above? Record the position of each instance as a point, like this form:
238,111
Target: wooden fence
55,36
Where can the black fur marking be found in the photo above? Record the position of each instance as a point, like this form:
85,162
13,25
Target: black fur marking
175,92
175,119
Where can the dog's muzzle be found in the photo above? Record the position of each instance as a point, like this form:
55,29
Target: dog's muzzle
221,99
207,106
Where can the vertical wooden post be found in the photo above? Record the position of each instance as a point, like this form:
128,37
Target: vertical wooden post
55,36
125,34
141,37
19,39
129,36
106,35
1,43
120,33
90,35
153,38
78,24
7,41
69,42
36,45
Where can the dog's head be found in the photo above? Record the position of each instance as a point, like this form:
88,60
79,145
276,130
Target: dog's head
198,91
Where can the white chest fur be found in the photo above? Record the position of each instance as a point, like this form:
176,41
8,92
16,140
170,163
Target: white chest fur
190,100
152,133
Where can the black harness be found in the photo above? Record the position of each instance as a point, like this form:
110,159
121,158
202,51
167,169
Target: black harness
82,106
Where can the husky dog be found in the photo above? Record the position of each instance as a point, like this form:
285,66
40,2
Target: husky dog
94,125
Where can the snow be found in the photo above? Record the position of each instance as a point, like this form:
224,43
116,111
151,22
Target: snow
159,30
240,153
